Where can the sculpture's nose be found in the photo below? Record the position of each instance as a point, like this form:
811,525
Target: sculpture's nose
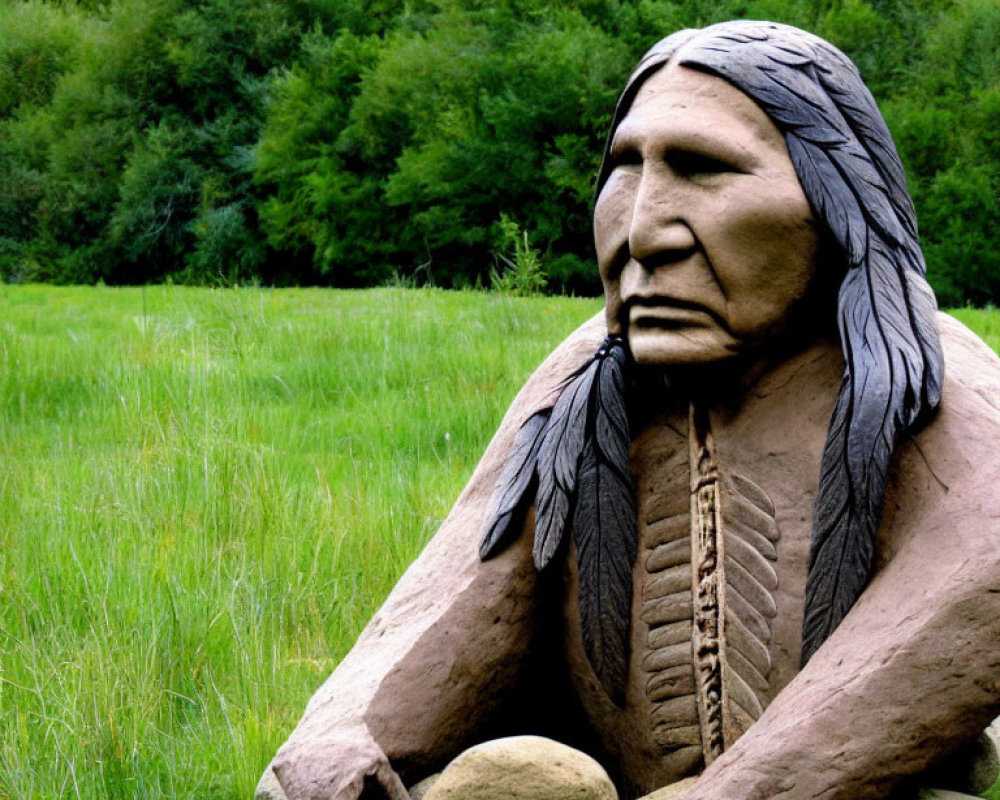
659,234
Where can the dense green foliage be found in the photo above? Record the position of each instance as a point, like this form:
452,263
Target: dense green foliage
351,143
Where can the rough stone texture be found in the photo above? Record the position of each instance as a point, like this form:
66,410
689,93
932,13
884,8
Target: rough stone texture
268,788
523,768
985,763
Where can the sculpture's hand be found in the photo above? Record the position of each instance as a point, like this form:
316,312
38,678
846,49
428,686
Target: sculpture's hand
343,765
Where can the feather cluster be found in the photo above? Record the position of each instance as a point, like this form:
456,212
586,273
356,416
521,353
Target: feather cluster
572,463
849,170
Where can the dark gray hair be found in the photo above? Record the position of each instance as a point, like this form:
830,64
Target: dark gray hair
851,174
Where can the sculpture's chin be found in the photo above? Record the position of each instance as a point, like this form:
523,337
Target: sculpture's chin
681,346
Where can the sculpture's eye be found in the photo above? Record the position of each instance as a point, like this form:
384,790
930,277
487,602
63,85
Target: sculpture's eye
690,164
625,156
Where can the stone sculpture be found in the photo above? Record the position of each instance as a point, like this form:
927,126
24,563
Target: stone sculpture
754,538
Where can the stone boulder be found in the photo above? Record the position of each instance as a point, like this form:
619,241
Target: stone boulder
523,768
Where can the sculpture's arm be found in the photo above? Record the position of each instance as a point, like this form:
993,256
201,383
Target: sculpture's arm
902,682
914,669
443,651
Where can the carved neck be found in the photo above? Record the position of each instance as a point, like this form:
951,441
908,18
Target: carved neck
724,388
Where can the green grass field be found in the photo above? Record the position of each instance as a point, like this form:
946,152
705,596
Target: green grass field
203,497
204,494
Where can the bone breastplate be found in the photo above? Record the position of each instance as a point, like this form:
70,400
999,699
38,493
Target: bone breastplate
724,506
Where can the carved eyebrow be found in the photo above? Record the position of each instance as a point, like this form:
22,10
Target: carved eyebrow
690,146
624,152
623,142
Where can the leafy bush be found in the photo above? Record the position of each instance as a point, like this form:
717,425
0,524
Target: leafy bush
351,143
519,271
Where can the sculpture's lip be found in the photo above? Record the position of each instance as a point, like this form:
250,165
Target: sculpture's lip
667,312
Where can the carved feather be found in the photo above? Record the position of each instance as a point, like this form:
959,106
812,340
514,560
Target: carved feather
666,609
573,461
888,383
604,527
516,487
750,534
558,462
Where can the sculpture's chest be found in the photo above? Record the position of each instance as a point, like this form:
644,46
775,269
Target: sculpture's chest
718,585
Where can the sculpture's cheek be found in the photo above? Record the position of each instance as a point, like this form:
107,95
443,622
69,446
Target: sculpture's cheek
612,217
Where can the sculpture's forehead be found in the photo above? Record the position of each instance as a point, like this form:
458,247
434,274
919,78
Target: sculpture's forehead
678,100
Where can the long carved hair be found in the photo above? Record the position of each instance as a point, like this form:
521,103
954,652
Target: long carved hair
851,174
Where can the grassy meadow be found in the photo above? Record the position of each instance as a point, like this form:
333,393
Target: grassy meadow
203,497
204,494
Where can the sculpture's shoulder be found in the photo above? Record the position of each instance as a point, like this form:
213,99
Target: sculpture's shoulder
539,391
947,477
543,387
972,369
968,419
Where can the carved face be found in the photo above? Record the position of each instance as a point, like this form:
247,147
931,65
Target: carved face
705,240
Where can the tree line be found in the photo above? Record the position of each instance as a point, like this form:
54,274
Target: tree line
354,142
